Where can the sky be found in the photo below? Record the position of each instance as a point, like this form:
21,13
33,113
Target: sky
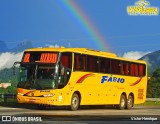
97,24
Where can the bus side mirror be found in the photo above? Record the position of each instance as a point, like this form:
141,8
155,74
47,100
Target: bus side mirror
14,65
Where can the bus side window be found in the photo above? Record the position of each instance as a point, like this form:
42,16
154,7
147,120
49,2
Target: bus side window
80,62
92,63
76,62
126,69
104,65
84,62
141,70
132,69
108,66
136,70
65,67
115,66
122,68
66,60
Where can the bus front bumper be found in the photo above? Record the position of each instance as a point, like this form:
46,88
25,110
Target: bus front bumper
37,100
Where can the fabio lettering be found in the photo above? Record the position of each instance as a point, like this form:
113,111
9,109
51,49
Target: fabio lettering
112,79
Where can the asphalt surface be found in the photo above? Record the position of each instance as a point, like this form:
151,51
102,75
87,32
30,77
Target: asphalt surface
84,115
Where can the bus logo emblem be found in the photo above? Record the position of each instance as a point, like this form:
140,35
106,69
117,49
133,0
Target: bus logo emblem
32,94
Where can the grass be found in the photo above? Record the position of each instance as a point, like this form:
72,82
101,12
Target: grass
150,103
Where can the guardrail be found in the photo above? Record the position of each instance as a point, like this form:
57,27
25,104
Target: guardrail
153,99
7,96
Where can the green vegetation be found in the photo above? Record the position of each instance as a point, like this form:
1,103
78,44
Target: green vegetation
153,90
153,60
6,76
150,103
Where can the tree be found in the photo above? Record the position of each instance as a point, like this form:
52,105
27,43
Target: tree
153,90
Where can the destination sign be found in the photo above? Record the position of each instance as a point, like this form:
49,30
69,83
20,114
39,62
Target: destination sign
40,57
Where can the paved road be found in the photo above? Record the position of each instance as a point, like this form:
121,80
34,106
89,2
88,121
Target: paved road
84,114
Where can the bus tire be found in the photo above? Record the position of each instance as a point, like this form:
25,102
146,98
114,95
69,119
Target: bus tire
129,102
74,102
122,104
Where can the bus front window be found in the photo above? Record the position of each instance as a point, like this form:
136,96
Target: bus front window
38,77
45,72
46,77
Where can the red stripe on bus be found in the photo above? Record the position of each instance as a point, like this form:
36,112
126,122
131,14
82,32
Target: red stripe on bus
139,80
29,92
84,77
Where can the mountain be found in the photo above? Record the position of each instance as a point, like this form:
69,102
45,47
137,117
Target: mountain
153,60
19,48
6,75
22,46
3,47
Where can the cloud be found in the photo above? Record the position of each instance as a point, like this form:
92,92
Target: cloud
134,54
54,46
7,59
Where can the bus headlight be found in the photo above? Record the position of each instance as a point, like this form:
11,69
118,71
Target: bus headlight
21,94
48,95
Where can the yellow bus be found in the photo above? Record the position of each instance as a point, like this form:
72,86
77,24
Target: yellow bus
79,76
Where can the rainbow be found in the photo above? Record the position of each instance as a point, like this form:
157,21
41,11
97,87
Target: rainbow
85,22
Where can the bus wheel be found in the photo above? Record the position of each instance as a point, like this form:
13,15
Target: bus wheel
74,102
130,102
122,104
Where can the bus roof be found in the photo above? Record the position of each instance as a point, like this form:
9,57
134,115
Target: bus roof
83,51
77,50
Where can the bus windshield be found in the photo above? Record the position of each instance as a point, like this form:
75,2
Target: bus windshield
40,77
